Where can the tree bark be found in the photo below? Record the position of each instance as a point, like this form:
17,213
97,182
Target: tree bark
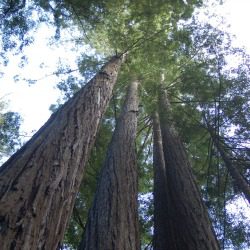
113,221
190,227
161,225
39,183
240,181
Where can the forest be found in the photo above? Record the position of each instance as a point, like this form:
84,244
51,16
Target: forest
148,146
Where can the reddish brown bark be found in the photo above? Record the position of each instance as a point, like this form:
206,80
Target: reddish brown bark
160,189
190,227
113,221
39,183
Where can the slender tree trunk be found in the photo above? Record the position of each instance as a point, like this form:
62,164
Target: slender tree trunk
187,214
39,183
113,221
161,222
240,181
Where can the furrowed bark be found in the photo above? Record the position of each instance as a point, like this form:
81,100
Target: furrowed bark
113,221
39,183
240,181
187,214
160,189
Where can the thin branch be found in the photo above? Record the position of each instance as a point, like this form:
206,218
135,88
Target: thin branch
210,156
146,124
141,40
81,23
144,142
52,74
224,212
198,101
149,150
114,107
77,217
149,245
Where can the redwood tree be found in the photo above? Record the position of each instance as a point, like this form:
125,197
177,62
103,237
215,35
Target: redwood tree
39,183
160,189
113,221
190,227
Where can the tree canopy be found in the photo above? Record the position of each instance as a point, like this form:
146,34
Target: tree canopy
206,77
9,131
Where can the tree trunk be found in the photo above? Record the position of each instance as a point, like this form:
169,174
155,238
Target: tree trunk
113,221
240,181
190,225
39,183
160,189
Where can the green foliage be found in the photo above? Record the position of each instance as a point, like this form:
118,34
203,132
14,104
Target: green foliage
89,66
9,133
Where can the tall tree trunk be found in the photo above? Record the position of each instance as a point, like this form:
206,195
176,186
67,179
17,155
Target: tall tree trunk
161,226
187,214
240,181
39,183
113,221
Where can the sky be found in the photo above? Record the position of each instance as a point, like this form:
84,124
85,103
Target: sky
236,13
33,101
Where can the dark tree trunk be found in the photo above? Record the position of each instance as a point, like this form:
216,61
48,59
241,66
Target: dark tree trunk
113,221
240,181
160,190
190,227
39,183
